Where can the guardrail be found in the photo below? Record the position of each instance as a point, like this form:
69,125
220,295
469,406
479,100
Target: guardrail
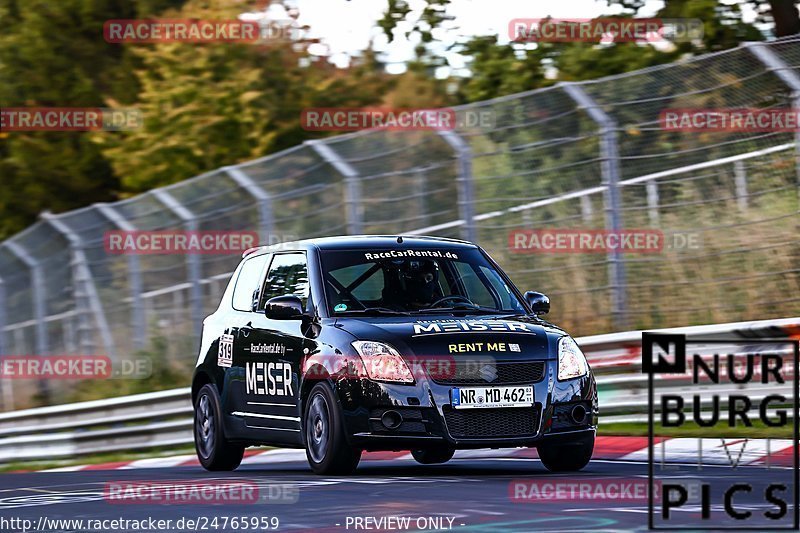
164,418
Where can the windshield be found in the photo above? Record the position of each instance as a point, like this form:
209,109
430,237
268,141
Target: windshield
414,281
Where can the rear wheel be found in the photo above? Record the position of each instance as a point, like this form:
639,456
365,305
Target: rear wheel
433,456
327,450
214,451
566,456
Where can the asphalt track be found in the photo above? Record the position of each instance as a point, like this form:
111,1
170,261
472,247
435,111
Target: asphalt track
473,493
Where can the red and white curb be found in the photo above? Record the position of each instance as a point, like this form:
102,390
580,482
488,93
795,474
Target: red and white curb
775,452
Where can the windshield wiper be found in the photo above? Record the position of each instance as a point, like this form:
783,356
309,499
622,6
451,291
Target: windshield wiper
461,307
375,310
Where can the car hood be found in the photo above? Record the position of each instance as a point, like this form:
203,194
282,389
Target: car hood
503,338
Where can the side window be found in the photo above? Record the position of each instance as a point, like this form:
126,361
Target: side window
248,282
476,290
288,275
503,291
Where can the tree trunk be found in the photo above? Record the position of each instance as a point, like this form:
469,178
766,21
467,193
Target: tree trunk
786,16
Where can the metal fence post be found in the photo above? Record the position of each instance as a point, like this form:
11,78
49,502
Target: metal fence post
789,76
84,289
652,202
192,260
266,222
740,181
609,154
466,189
138,318
420,191
6,394
3,318
39,307
352,184
586,208
19,341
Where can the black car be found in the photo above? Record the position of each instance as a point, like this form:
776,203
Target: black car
345,344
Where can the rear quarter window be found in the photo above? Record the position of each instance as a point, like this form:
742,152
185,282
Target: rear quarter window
248,282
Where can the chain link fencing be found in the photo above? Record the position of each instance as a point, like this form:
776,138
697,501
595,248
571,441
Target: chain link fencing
589,155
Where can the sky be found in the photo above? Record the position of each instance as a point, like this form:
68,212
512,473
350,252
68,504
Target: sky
347,26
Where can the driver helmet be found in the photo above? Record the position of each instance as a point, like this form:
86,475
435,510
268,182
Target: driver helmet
419,279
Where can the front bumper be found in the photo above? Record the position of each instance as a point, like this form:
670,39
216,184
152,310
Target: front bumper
428,419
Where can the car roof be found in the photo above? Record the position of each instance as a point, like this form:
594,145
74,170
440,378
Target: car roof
367,242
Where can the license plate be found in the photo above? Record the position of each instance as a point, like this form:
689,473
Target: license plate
483,397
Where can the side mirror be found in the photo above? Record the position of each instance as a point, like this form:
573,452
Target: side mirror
538,302
284,308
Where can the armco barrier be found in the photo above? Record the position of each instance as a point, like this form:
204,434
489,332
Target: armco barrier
164,418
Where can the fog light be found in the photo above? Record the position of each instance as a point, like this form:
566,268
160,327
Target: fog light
391,419
578,414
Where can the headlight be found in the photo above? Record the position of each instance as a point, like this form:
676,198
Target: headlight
382,362
571,361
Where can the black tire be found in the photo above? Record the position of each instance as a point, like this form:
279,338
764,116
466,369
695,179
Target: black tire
566,456
214,451
327,450
433,456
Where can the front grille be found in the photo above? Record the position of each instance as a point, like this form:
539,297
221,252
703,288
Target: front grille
488,423
475,372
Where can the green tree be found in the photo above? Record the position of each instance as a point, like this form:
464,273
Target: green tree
52,54
498,69
421,27
783,14
216,104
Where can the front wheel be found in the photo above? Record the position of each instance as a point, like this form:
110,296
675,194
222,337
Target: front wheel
327,450
433,456
214,451
566,456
